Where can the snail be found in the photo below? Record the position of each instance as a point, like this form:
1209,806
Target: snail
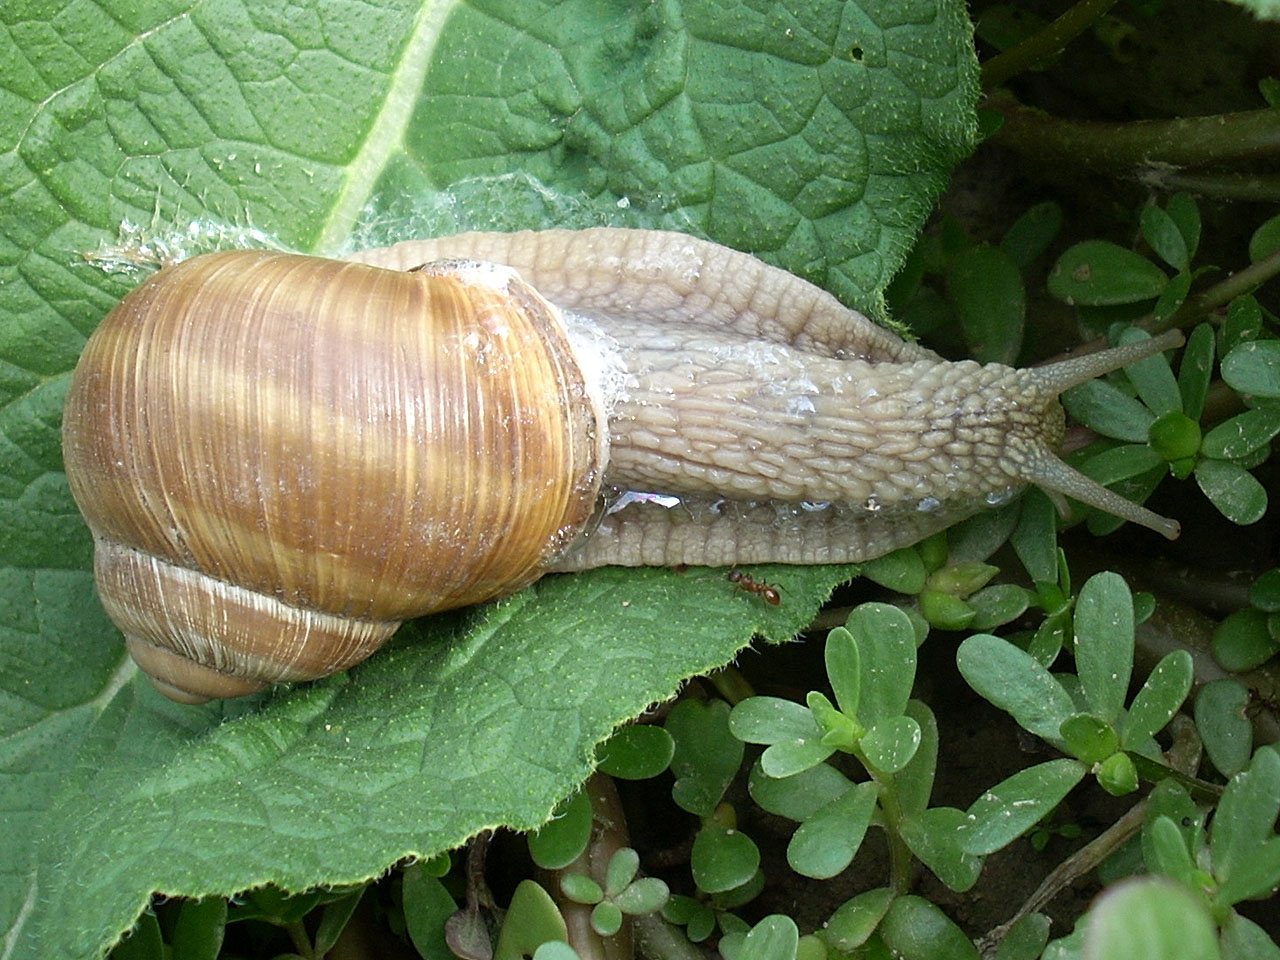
282,457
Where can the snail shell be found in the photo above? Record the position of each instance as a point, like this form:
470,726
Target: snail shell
283,457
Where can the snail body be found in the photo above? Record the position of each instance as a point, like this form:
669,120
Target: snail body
283,457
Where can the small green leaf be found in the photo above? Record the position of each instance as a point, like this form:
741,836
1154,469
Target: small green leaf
1265,591
838,730
962,578
644,896
1105,409
1104,643
1196,370
637,752
1016,804
722,858
1117,775
1169,800
902,571
1167,853
560,841
707,755
1016,683
1265,240
997,605
985,288
1032,233
844,669
1162,233
1026,939
1254,368
944,611
1150,918
1152,377
774,938
856,919
914,782
799,796
698,919
934,837
1035,539
891,743
1243,433
620,870
427,906
772,720
532,919
826,843
1242,830
580,888
1174,436
1089,739
1100,273
143,942
887,653
916,929
199,929
1123,462
790,757
1243,641
1234,491
1223,727
1158,700
1242,939
1182,209
606,919
555,950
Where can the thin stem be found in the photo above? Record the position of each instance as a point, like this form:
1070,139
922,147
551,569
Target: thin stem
731,685
1250,187
297,932
658,940
1044,43
1141,146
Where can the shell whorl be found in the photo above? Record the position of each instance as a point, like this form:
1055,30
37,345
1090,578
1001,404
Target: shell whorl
261,437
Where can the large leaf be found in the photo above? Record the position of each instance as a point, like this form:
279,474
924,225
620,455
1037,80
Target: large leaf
816,139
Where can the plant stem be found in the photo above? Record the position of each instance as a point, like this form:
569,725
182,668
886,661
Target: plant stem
1044,43
1251,187
658,940
1141,147
301,942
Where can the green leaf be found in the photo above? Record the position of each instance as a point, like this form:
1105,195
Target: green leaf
199,929
1035,539
890,744
142,942
1254,368
1246,853
1183,211
986,290
532,919
1223,726
934,837
1099,273
799,796
944,611
856,919
915,929
1150,919
620,870
560,841
1241,641
1118,775
1162,233
1104,643
1243,433
1264,593
1155,704
1242,939
722,858
1234,491
1104,408
707,755
844,670
1265,239
998,604
887,653
646,895
902,570
1128,460
1017,803
1032,233
1152,377
1089,739
427,906
1174,436
326,125
637,752
914,783
1026,939
606,918
774,938
772,720
826,842
1196,370
1016,683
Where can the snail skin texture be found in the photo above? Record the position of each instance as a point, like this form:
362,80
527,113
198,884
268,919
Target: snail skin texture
282,457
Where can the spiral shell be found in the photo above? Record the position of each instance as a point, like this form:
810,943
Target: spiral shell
283,457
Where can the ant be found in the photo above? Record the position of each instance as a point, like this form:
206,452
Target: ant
767,592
